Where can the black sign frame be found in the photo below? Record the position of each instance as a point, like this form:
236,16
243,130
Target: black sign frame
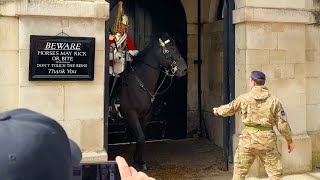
70,58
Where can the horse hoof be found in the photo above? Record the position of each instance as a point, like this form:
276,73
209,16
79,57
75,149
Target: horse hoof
141,167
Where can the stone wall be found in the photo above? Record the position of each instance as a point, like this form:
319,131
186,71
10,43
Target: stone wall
76,105
211,55
192,106
311,69
212,78
274,37
9,62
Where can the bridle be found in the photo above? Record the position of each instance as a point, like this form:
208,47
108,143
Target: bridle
167,72
167,55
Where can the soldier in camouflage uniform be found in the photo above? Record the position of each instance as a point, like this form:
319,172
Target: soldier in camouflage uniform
260,112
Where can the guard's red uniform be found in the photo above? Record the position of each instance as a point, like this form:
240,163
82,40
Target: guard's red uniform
130,46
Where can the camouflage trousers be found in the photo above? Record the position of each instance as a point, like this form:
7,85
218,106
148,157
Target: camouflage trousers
244,157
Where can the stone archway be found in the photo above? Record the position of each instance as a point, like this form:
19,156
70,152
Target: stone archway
147,20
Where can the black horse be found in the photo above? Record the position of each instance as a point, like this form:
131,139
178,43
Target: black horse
139,86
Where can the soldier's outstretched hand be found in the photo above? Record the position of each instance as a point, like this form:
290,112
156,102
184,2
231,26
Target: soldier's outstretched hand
215,111
290,147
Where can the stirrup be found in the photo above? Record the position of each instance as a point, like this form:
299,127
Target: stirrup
116,106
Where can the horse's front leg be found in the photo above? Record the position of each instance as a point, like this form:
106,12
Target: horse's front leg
137,130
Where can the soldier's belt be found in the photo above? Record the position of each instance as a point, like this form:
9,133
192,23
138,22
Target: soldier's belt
260,128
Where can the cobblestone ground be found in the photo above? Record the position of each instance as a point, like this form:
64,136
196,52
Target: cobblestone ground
193,159
190,159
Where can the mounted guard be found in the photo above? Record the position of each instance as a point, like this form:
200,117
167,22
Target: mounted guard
121,45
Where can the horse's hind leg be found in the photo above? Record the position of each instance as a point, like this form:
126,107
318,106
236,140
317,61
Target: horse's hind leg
134,123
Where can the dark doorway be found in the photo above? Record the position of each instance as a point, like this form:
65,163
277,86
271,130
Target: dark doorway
147,19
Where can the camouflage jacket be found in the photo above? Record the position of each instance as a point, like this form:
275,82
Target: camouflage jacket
259,108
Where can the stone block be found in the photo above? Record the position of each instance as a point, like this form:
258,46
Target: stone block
192,29
288,41
84,102
315,139
192,44
294,28
289,4
240,3
258,27
240,36
294,56
282,15
313,123
9,33
189,6
215,128
278,71
88,28
30,26
262,40
95,156
300,160
99,75
254,56
217,26
193,122
257,14
296,86
24,79
277,57
213,10
272,88
193,100
300,71
241,79
9,67
297,117
242,15
313,91
312,70
312,37
76,27
24,59
99,58
8,8
9,95
277,27
73,130
92,135
310,55
83,9
290,99
240,56
48,100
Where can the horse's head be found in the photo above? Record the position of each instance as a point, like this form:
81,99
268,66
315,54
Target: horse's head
173,60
